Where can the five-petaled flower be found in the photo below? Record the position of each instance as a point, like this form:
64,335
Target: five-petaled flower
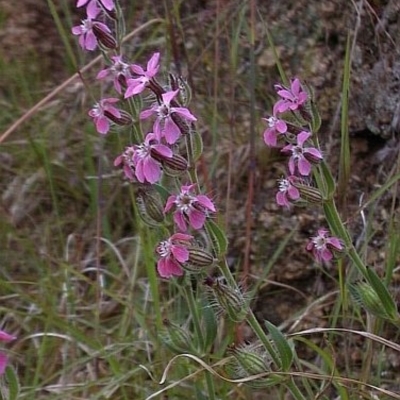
173,253
100,111
137,85
147,159
300,156
275,128
323,246
189,208
4,337
87,37
119,71
164,125
92,6
287,192
291,98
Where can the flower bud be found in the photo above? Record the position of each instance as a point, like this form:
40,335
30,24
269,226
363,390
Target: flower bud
228,300
176,338
198,259
105,38
175,164
124,120
307,192
150,208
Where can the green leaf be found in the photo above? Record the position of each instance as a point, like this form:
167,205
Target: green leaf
210,325
197,145
381,290
282,345
218,238
164,193
13,384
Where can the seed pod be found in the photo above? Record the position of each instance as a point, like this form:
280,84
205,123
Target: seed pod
175,164
105,39
150,208
124,120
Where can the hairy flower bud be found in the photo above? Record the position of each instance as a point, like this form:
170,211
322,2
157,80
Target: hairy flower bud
198,259
228,300
175,164
307,192
106,39
150,207
176,338
124,119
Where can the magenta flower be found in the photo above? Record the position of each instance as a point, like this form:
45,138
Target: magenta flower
4,337
275,128
119,71
99,114
188,207
87,38
147,159
137,85
287,192
173,253
164,125
324,246
291,99
126,161
92,6
302,157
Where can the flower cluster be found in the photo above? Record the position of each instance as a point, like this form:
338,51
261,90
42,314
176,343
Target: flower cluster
151,155
299,147
295,140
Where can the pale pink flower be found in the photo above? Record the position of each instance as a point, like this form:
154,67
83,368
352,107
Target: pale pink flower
291,98
4,337
147,159
99,114
189,208
287,192
323,246
126,161
137,85
301,157
164,125
275,128
119,71
87,38
173,253
92,6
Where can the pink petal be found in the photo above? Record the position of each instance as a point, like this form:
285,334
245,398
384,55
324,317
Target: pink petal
90,41
281,126
295,87
168,96
205,202
168,268
102,125
302,137
304,167
282,200
180,253
197,219
170,203
171,131
108,4
137,69
147,113
293,193
184,112
151,170
165,151
180,221
270,137
6,337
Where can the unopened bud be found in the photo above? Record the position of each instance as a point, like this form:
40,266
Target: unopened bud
176,338
150,208
198,259
106,39
175,164
307,192
124,120
230,301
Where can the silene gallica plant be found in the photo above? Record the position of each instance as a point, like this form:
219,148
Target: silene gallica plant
160,164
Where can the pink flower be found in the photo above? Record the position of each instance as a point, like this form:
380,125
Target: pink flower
275,128
126,160
164,125
99,114
173,253
147,159
287,192
137,85
4,337
302,157
291,99
87,38
92,6
191,208
324,246
119,71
